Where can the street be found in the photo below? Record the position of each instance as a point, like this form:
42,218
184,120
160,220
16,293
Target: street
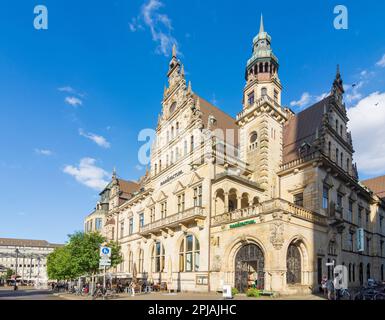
28,294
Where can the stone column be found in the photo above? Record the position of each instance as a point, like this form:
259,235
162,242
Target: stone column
239,202
226,204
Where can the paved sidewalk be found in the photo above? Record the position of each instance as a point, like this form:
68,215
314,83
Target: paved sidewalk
190,296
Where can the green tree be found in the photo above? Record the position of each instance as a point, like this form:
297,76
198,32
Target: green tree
80,256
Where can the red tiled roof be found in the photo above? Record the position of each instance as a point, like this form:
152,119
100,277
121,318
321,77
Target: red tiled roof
224,121
377,185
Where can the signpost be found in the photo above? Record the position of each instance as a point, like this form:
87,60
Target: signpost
105,261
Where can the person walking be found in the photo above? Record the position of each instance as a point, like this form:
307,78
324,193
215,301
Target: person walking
324,282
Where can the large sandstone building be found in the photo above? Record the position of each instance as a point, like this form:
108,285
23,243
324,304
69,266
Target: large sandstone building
269,198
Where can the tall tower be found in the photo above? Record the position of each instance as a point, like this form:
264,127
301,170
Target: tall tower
262,118
262,71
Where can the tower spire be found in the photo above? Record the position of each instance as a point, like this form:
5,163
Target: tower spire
261,26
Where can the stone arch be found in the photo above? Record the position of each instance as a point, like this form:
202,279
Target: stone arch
219,201
233,199
232,249
245,200
228,264
299,243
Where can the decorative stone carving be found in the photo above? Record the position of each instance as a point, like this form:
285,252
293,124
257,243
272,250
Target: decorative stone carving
276,237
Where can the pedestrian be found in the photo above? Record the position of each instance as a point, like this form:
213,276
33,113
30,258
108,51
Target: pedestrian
330,289
324,284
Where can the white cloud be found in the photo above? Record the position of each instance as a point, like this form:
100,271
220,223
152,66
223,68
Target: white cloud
99,140
89,174
159,24
73,101
367,121
138,167
303,101
67,89
381,63
44,152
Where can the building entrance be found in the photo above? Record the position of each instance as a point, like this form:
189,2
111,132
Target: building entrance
249,265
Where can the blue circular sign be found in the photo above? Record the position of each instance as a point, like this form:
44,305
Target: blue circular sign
105,251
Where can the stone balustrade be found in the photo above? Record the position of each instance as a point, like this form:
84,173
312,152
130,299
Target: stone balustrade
173,220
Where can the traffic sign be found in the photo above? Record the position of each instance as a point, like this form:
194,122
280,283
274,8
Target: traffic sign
104,262
105,252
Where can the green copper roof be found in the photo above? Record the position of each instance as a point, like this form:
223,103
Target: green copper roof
261,46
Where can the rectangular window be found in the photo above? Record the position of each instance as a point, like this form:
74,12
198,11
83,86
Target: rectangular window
181,198
198,196
350,211
131,226
298,199
360,215
98,223
339,202
141,220
325,197
350,241
250,99
122,229
152,214
163,210
275,95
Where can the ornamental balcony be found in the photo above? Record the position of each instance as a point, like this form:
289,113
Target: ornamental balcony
267,207
194,214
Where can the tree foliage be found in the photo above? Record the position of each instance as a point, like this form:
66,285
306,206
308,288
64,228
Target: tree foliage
80,256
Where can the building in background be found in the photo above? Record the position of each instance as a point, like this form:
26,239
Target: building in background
269,199
26,258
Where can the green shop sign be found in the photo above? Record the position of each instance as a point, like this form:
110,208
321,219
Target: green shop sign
241,224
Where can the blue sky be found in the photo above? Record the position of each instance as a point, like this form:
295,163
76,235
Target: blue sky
78,93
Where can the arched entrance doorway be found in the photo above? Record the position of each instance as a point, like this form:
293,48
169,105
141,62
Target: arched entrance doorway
293,264
249,265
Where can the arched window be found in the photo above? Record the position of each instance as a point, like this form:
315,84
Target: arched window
332,250
261,67
189,254
156,168
130,261
192,143
263,92
368,272
330,149
337,125
172,133
158,257
266,67
354,272
253,140
342,160
172,107
177,128
141,261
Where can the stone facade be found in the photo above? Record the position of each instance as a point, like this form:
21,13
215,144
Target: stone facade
26,257
267,198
